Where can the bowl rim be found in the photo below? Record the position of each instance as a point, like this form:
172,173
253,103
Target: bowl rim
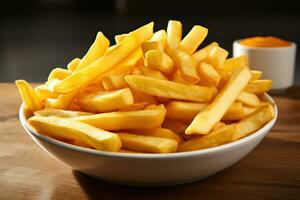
292,46
219,148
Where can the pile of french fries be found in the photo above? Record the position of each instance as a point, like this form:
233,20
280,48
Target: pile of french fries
150,93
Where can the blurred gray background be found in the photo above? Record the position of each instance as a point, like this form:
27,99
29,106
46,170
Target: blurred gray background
38,35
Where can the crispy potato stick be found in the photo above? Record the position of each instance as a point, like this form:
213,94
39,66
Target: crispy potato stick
157,59
232,64
249,99
81,144
218,126
147,71
259,86
176,126
133,107
29,96
178,78
52,83
213,113
69,129
59,73
151,45
174,34
208,74
106,101
193,39
249,109
88,74
186,64
120,38
114,82
203,53
160,37
73,64
235,112
148,144
183,111
43,92
51,112
255,75
62,102
157,132
170,89
217,56
96,51
141,97
218,137
254,121
140,119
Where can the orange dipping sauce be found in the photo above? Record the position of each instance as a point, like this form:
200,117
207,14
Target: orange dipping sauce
267,41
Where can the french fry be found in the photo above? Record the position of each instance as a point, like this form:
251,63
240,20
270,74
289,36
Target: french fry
43,92
174,34
170,89
106,101
133,107
235,112
160,37
249,99
148,144
151,45
127,151
176,126
141,119
186,64
158,60
88,74
254,121
255,75
157,132
183,111
29,96
59,73
141,97
259,86
249,109
73,64
96,51
218,126
217,56
218,137
63,101
178,78
147,71
213,113
208,74
120,38
51,112
69,129
203,53
193,39
232,64
114,82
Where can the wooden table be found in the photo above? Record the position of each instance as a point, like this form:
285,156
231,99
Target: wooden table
271,171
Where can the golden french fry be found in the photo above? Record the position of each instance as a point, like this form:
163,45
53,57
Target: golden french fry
176,126
160,37
147,71
203,53
213,113
63,101
208,74
170,89
114,82
51,112
73,64
217,56
186,64
59,73
148,144
193,39
178,78
259,86
218,126
151,45
235,112
91,72
69,129
157,132
157,59
120,38
106,101
140,119
183,111
249,109
43,92
141,97
249,99
218,137
96,51
81,144
29,96
174,34
127,151
255,75
133,107
232,64
254,121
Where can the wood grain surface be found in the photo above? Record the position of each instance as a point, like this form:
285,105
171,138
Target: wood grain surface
271,171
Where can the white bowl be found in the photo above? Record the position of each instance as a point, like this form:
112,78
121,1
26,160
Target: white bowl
149,169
